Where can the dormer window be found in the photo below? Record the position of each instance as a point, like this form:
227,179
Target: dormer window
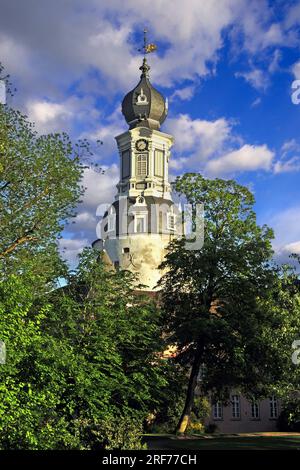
141,98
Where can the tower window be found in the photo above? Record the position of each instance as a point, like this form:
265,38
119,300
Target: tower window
140,223
159,163
126,250
125,164
141,165
111,220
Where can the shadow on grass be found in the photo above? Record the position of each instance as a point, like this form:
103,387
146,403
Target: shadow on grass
169,442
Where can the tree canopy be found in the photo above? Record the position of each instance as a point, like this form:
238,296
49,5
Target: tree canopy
220,300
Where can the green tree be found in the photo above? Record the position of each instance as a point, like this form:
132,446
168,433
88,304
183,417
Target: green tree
284,307
219,300
84,367
39,187
117,336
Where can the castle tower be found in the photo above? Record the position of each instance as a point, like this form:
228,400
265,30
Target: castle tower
141,221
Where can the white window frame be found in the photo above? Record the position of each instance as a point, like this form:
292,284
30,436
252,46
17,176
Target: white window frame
217,409
171,221
141,165
236,406
255,409
273,407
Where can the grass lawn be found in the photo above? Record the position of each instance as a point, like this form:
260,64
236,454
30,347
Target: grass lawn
254,441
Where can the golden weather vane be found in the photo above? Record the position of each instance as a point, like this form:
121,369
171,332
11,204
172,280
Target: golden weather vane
147,47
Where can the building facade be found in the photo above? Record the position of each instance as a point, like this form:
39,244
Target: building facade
244,416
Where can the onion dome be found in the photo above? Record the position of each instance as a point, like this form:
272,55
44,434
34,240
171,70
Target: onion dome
144,106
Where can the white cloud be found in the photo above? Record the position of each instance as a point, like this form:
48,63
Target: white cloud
288,161
207,146
246,158
296,70
68,39
100,189
283,254
256,102
290,146
274,64
85,221
74,113
48,116
292,164
293,247
62,116
200,138
286,225
71,248
14,55
258,28
256,78
183,94
293,16
106,131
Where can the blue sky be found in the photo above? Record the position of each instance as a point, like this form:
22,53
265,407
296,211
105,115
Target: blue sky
226,66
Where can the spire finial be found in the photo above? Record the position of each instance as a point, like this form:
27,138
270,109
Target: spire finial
147,49
145,42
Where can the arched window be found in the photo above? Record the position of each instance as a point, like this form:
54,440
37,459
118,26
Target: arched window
273,407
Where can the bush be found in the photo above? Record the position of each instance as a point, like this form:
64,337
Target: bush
195,427
289,418
211,428
200,411
116,433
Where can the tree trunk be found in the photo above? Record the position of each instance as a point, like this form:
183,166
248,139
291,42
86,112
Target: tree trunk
185,417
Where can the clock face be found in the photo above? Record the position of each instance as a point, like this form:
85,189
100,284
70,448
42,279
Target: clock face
141,145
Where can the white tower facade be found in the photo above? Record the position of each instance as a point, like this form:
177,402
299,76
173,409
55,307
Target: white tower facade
141,222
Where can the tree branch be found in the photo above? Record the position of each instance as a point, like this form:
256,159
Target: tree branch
4,186
16,243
